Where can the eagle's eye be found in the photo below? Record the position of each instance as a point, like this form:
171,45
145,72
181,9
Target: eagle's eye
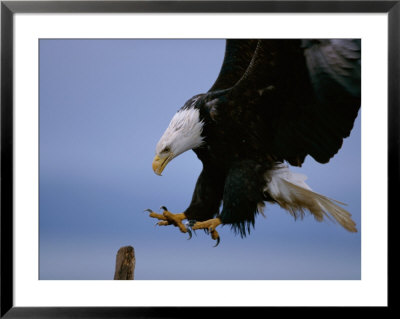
166,149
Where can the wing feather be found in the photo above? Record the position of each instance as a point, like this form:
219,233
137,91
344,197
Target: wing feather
297,97
238,54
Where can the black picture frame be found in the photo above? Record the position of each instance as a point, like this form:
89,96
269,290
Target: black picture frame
9,8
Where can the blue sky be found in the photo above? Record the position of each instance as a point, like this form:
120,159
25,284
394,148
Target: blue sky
103,106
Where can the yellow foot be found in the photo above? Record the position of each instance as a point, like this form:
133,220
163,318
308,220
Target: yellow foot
209,225
167,218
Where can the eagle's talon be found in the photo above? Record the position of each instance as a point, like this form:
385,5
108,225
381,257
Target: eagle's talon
167,218
189,226
218,240
190,233
209,227
214,235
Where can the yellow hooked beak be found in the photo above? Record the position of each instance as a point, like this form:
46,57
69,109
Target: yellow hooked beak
160,163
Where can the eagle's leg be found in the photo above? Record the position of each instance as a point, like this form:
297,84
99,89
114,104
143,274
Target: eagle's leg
211,226
167,218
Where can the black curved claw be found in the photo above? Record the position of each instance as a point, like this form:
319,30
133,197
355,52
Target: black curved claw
218,240
164,208
148,210
189,232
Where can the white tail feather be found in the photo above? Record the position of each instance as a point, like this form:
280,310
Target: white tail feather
291,192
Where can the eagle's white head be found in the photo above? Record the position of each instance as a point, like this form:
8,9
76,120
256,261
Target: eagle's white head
183,133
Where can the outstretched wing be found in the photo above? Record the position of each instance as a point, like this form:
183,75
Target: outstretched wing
238,54
299,97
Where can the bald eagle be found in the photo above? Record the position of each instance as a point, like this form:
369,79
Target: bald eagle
273,103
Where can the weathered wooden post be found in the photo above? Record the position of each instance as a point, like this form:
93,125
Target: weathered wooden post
125,263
